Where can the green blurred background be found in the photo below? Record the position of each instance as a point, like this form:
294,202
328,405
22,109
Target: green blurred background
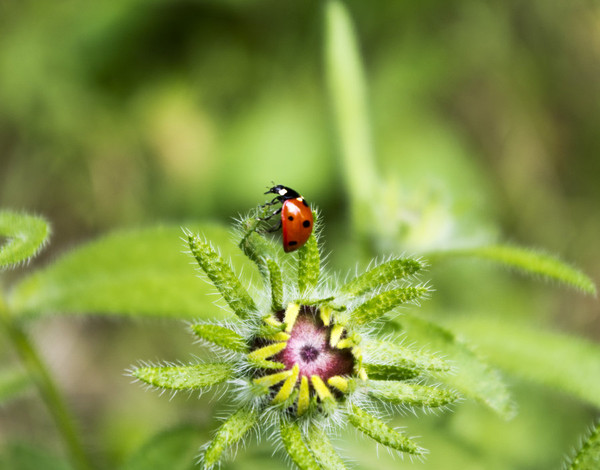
486,123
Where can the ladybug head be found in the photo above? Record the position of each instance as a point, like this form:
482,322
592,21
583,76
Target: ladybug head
284,192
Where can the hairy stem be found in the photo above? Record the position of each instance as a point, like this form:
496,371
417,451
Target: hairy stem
47,388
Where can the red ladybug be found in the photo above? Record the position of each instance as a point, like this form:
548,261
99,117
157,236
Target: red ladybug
296,217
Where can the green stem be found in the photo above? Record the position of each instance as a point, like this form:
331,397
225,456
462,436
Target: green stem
348,96
47,388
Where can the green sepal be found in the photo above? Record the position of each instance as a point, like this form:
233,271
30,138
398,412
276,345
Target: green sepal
258,249
222,277
588,457
402,393
231,432
184,377
26,235
309,265
321,447
296,448
391,354
382,275
381,432
390,372
276,283
379,305
220,336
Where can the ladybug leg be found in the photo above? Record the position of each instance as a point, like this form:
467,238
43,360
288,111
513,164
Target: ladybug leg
275,228
267,217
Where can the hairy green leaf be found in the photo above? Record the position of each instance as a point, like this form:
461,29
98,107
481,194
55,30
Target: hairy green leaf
276,283
563,362
382,275
381,432
377,306
471,376
136,273
220,336
231,432
184,377
309,264
25,234
12,384
526,260
402,393
222,276
173,449
296,448
588,457
391,372
321,447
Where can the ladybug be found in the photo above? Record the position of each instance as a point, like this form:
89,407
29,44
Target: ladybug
296,217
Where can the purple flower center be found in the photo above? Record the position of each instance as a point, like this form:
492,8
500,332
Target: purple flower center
309,347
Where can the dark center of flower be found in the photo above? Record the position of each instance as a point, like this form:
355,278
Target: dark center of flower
309,347
309,353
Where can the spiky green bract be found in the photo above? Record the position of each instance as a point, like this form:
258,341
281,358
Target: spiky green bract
191,377
381,432
385,273
230,433
220,336
257,249
222,277
291,437
26,234
400,357
276,283
377,306
526,260
408,394
321,447
588,457
309,265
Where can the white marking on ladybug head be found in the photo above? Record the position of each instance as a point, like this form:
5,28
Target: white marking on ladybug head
282,192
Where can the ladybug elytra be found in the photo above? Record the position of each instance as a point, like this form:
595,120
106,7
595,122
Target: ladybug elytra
296,217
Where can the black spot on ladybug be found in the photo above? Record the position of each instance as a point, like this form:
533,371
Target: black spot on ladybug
306,223
292,243
290,218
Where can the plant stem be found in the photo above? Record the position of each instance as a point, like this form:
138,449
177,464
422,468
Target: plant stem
47,388
348,95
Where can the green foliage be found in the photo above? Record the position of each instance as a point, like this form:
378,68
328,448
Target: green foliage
472,377
381,432
321,448
309,265
565,363
26,234
381,275
525,260
295,446
13,383
403,357
24,457
588,457
220,336
222,276
377,306
276,284
230,433
184,377
402,393
133,273
173,449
